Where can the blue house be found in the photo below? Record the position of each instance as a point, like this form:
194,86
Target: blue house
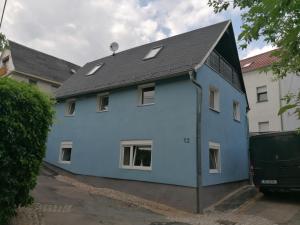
165,121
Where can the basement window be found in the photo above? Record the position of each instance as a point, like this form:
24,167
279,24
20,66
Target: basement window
94,69
102,102
136,154
65,152
70,107
263,126
153,52
214,158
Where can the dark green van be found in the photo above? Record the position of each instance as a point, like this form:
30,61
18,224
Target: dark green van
275,161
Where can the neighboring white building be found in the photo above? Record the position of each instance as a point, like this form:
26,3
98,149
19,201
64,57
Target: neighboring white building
265,94
28,65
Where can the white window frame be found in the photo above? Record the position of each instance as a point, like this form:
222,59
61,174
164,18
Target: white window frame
261,92
68,105
216,91
99,101
265,122
236,111
140,94
130,144
213,145
65,144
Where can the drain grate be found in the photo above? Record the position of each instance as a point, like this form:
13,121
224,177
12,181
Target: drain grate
53,208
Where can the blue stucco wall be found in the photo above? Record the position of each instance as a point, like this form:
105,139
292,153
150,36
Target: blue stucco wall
221,128
96,136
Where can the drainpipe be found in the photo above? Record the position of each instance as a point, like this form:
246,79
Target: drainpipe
198,86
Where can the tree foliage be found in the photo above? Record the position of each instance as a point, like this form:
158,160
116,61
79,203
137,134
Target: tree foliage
278,23
25,117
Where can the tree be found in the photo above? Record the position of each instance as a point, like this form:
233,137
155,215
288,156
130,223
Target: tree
25,117
278,23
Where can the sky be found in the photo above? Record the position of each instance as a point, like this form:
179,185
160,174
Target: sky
81,30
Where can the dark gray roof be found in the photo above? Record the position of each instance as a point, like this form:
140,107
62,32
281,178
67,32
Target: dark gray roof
180,54
33,62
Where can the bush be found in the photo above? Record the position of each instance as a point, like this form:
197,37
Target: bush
25,118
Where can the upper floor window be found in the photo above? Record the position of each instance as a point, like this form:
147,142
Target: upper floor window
70,107
236,111
263,126
214,158
214,102
102,102
65,152
153,52
262,94
147,94
136,154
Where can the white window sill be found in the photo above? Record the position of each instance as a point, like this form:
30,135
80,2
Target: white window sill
214,171
101,111
141,105
69,115
136,168
64,162
215,110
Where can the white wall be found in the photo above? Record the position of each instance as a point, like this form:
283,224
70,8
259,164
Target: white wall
267,111
262,111
290,84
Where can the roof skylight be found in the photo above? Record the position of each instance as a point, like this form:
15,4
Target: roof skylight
247,64
153,52
94,69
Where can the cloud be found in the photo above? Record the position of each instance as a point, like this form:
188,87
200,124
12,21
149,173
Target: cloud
252,51
81,31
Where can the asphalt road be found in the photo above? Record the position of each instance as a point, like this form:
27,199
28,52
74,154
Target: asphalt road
281,208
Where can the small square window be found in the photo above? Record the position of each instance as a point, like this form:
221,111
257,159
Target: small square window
147,94
236,111
263,126
153,52
262,94
136,154
214,99
214,158
70,107
102,102
65,152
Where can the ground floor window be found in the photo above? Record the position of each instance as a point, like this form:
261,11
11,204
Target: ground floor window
214,158
65,152
136,154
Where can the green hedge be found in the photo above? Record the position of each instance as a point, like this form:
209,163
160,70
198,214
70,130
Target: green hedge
25,118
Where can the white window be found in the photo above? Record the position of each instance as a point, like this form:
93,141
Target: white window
94,69
65,152
147,94
262,94
214,158
136,154
153,52
236,111
263,126
102,102
214,102
70,107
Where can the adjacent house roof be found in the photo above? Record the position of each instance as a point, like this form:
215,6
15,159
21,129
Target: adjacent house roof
258,61
33,62
179,54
